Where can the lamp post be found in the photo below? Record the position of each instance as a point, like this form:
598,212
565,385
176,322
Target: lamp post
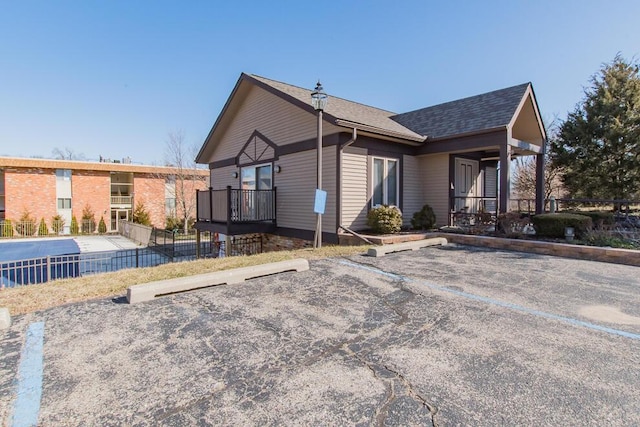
319,102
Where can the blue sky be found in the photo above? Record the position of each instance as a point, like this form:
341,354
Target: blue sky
113,78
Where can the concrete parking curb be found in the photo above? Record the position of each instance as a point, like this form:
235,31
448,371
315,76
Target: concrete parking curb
406,246
5,318
149,291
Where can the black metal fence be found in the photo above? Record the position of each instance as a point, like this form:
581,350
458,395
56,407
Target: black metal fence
164,247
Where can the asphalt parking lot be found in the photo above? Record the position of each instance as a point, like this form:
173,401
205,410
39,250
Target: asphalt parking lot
442,336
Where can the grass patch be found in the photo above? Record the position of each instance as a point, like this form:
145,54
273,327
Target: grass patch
27,299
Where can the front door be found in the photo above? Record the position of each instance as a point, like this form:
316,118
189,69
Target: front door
466,188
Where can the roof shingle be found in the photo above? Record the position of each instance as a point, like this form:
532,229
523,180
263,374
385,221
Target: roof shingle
476,113
348,110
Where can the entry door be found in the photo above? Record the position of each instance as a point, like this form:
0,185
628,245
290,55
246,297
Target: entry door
466,185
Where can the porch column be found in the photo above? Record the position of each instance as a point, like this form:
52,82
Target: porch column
505,176
540,183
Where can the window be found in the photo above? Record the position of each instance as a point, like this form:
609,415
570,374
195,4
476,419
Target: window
256,177
64,203
385,182
170,206
63,174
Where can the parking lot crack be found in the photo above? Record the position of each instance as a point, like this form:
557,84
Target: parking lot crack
415,395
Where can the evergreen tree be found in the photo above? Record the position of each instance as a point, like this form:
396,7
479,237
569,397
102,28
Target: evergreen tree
43,230
74,225
140,214
102,226
598,147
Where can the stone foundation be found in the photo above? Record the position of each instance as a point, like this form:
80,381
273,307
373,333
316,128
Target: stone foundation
272,242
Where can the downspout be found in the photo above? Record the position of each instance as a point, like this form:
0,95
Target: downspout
354,137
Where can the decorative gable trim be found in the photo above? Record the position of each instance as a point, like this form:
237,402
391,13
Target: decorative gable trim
257,149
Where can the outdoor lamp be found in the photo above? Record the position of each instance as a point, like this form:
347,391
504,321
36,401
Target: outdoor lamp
319,102
319,98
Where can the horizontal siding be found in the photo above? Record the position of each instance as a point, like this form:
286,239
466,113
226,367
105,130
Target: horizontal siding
434,174
296,186
354,197
221,178
280,121
412,194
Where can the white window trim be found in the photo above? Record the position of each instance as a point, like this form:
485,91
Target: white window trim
385,172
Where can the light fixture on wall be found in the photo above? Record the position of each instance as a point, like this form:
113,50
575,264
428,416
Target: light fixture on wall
234,174
277,169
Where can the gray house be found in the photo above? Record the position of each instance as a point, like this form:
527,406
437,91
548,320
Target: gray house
261,153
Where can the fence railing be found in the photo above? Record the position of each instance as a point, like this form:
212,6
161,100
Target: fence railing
44,269
622,206
236,206
121,200
32,228
137,232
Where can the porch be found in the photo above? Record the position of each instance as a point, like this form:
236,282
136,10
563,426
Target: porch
236,211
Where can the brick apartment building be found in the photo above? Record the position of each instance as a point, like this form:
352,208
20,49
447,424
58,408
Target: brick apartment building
45,188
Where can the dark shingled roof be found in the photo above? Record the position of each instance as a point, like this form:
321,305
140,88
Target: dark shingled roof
476,113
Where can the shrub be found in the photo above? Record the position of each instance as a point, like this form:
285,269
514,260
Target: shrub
6,228
598,218
140,214
57,224
43,230
88,220
425,219
177,224
385,219
26,225
512,224
102,226
74,225
553,225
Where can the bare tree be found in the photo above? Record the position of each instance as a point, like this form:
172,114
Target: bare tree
524,175
66,153
185,180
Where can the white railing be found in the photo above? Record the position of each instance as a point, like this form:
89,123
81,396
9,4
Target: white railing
121,200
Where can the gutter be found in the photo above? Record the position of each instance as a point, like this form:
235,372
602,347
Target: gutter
341,147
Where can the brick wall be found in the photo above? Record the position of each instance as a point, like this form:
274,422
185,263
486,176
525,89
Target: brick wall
92,189
33,190
149,189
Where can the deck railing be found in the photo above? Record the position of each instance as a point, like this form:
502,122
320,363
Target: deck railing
121,200
236,206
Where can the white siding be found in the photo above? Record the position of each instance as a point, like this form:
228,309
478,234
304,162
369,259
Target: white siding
434,174
296,186
280,121
354,196
412,191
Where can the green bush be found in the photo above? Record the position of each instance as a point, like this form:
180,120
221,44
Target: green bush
57,224
26,225
43,230
102,226
385,219
425,219
74,225
141,215
6,228
553,225
88,220
598,218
